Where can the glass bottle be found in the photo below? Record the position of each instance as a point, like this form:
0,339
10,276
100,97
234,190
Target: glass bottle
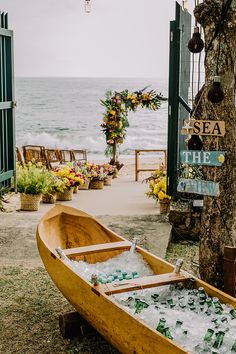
233,349
233,313
140,305
167,333
208,336
161,325
219,339
170,302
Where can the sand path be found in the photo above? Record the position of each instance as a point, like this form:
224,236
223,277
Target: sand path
123,207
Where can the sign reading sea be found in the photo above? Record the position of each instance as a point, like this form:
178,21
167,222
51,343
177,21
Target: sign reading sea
204,127
198,187
205,158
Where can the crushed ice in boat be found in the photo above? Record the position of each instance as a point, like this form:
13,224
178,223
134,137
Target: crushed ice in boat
127,265
196,321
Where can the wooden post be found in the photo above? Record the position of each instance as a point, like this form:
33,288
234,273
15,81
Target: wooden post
136,165
230,270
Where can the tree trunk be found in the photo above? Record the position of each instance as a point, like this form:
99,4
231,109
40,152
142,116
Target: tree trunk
218,225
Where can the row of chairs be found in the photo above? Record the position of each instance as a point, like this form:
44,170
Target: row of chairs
49,157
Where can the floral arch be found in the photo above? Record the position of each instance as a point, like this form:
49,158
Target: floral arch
115,119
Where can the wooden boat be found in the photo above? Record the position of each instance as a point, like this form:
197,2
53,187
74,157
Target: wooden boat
80,236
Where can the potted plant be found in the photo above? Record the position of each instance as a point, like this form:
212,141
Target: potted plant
98,176
157,190
110,171
84,168
55,185
69,178
31,184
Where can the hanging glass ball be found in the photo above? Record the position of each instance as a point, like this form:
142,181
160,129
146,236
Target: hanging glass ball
215,94
196,44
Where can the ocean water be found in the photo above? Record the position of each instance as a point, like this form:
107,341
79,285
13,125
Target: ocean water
66,113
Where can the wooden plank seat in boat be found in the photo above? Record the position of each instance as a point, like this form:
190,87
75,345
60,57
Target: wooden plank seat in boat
150,281
100,247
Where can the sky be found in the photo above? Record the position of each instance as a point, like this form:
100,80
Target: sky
122,38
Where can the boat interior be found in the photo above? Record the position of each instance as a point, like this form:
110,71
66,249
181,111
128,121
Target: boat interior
81,237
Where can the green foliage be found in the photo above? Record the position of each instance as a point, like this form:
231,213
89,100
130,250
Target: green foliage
32,180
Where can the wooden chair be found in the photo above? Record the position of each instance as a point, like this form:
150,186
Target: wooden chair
34,153
53,158
66,156
79,155
19,157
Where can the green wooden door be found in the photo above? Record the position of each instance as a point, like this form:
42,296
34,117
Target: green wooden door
7,99
179,82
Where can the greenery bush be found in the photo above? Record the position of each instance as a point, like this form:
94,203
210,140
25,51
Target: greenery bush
32,180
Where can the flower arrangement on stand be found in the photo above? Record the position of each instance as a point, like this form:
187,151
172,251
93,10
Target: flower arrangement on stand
115,119
158,190
32,181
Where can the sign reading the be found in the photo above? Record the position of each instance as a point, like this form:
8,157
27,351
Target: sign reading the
198,186
204,127
205,158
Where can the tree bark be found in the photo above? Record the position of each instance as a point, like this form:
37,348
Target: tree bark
218,225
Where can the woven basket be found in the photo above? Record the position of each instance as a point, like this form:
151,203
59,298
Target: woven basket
75,189
49,198
30,202
164,206
96,184
66,195
108,180
85,185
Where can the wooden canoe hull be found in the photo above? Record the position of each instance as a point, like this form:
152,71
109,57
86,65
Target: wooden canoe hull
119,327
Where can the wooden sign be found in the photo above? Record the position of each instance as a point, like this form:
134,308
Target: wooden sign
198,186
204,158
204,127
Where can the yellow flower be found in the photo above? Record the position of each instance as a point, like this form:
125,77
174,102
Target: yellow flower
221,158
112,112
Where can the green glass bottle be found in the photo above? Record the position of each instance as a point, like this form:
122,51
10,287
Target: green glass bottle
167,333
140,305
170,302
218,311
233,349
208,302
191,283
224,320
219,339
233,313
216,303
178,324
155,297
208,336
161,325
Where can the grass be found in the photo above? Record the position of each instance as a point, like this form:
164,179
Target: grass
30,305
187,250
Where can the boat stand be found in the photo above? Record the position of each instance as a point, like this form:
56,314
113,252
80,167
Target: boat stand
72,324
